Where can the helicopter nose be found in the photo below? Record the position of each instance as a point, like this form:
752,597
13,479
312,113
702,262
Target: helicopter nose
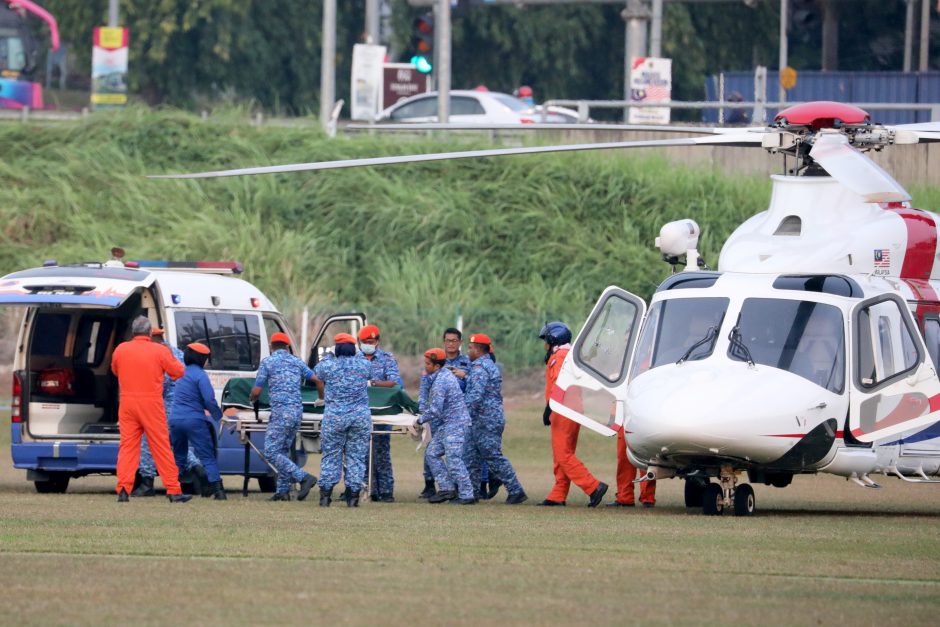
726,410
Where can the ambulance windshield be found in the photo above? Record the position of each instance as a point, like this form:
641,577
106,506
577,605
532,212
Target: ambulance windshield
802,337
679,329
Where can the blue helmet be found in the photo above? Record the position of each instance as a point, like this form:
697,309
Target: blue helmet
555,333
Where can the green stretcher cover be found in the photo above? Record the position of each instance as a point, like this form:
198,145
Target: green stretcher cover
382,401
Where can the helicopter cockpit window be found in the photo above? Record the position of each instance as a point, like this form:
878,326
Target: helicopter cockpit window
802,337
606,339
678,329
885,343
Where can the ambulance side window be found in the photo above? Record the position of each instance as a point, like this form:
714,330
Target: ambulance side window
932,340
50,333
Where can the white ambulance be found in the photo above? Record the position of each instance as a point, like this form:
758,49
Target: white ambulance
65,398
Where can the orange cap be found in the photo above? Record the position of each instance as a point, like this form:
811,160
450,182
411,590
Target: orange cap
481,338
156,331
280,338
198,347
435,354
369,332
343,338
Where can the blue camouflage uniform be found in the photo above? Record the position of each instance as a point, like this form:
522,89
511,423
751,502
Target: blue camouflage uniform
347,422
460,362
447,412
190,428
384,367
485,402
147,468
283,373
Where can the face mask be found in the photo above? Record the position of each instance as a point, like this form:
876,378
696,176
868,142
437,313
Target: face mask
367,349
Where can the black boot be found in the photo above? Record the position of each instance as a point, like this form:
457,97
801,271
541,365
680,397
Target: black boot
218,492
122,497
494,487
305,486
352,499
429,490
345,495
201,485
326,497
179,498
444,495
484,490
145,488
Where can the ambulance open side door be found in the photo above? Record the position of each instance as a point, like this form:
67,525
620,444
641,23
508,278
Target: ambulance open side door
894,386
337,323
592,386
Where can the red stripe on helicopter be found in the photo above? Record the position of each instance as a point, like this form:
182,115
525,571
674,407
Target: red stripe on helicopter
921,245
901,415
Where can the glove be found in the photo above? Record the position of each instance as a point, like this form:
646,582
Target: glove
546,416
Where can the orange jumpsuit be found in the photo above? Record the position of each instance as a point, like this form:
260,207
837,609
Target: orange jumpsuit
626,473
568,468
139,366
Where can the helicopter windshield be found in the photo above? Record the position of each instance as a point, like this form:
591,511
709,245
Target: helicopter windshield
678,329
802,337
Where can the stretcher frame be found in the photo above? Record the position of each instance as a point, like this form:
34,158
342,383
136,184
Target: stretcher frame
244,423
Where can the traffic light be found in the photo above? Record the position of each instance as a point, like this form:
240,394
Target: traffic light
422,43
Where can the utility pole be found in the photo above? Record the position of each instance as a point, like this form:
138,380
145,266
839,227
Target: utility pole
784,9
924,35
908,34
112,13
443,48
372,21
636,16
656,30
328,63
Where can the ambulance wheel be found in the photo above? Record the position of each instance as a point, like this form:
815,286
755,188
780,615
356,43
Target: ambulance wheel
694,491
57,483
744,500
267,484
713,501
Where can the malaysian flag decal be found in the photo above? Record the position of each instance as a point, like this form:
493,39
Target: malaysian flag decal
882,258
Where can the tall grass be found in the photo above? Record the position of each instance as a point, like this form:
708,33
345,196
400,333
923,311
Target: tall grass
506,243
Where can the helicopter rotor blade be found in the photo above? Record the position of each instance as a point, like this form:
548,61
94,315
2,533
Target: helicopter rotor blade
921,132
856,171
742,139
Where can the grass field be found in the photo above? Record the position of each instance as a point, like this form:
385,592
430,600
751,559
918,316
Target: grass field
822,551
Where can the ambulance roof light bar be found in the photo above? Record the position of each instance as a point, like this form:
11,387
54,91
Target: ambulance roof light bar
206,267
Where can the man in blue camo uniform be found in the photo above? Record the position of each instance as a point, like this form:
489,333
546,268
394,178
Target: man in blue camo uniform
343,382
485,401
446,412
147,469
459,366
385,373
283,373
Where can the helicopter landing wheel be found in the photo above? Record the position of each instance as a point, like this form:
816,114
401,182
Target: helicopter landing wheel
713,500
744,500
694,491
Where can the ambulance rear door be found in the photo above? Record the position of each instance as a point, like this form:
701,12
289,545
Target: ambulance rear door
337,323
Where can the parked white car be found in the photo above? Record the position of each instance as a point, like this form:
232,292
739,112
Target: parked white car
466,107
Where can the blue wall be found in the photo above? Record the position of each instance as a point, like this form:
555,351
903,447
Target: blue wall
849,87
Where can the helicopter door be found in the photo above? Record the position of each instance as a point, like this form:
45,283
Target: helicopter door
895,387
592,386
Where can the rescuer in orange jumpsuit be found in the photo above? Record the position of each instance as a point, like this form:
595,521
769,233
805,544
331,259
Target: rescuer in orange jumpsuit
568,468
626,473
139,366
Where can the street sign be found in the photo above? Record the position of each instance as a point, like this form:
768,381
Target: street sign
366,85
401,80
788,78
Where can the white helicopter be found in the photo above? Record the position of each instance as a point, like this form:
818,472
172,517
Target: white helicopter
813,348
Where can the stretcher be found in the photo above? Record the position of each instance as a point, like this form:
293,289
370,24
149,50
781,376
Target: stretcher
389,406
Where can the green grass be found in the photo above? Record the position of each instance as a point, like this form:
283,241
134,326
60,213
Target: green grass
822,551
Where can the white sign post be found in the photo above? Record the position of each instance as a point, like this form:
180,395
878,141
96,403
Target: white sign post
366,81
650,82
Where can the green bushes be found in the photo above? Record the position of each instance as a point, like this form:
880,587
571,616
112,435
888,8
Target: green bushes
507,243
